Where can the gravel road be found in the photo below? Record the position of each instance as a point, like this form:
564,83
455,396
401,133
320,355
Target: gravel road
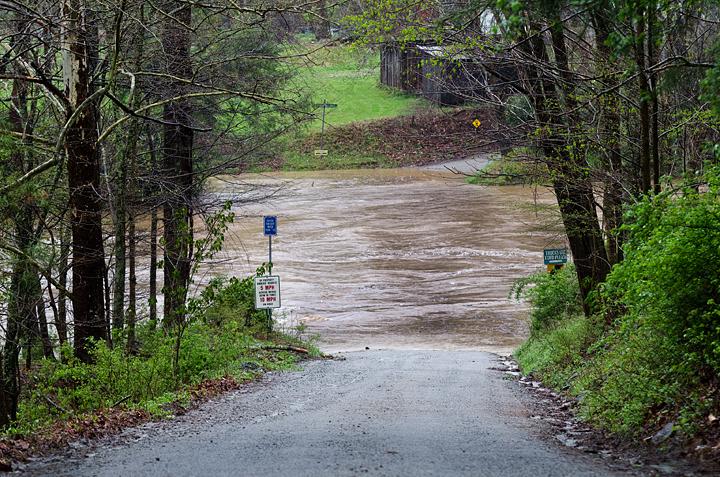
405,413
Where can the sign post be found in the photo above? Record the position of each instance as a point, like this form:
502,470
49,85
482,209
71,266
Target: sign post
324,105
555,259
270,229
267,289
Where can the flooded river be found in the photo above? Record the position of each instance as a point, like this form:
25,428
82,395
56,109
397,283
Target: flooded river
393,259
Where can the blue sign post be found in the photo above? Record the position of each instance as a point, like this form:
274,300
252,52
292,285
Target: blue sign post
270,225
270,229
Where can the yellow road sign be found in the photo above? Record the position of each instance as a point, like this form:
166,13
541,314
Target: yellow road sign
555,268
321,152
476,123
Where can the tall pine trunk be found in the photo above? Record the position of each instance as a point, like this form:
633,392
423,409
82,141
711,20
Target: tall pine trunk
177,154
88,257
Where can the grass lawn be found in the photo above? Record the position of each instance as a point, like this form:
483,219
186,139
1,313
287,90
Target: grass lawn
350,79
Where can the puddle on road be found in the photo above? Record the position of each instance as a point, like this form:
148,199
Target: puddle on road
393,259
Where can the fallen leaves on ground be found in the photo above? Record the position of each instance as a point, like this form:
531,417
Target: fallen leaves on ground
416,139
101,423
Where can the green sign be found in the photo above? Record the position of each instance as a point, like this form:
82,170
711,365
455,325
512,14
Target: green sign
555,255
326,105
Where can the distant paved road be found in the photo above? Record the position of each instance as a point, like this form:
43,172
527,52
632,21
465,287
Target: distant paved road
380,413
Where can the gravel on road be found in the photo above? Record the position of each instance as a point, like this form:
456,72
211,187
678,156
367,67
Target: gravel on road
394,413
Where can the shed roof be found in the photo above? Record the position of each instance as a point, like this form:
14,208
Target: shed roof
441,52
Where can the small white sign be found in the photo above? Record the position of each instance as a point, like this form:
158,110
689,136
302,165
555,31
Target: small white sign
267,292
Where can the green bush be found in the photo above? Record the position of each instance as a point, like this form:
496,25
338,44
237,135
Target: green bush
653,355
220,344
206,353
555,354
227,300
553,297
628,376
670,278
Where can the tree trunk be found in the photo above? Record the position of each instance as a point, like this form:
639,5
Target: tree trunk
177,167
88,257
610,135
20,311
153,269
63,268
42,323
118,313
644,94
132,253
153,246
572,185
19,307
132,284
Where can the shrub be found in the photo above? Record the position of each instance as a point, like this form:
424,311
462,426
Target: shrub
670,278
232,300
555,354
553,297
654,354
218,345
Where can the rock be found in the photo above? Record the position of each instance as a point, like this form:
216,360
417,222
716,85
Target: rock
663,434
567,440
665,469
569,381
581,397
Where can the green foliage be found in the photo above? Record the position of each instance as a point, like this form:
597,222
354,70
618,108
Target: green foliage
219,344
619,379
653,355
232,300
554,354
553,297
670,278
629,375
207,352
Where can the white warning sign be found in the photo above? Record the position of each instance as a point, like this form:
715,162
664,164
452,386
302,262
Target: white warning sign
267,292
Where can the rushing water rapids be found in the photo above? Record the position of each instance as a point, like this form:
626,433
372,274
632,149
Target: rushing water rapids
394,258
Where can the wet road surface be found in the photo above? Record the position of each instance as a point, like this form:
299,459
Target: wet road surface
381,413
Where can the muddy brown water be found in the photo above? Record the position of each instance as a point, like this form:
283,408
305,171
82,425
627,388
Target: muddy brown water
392,259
